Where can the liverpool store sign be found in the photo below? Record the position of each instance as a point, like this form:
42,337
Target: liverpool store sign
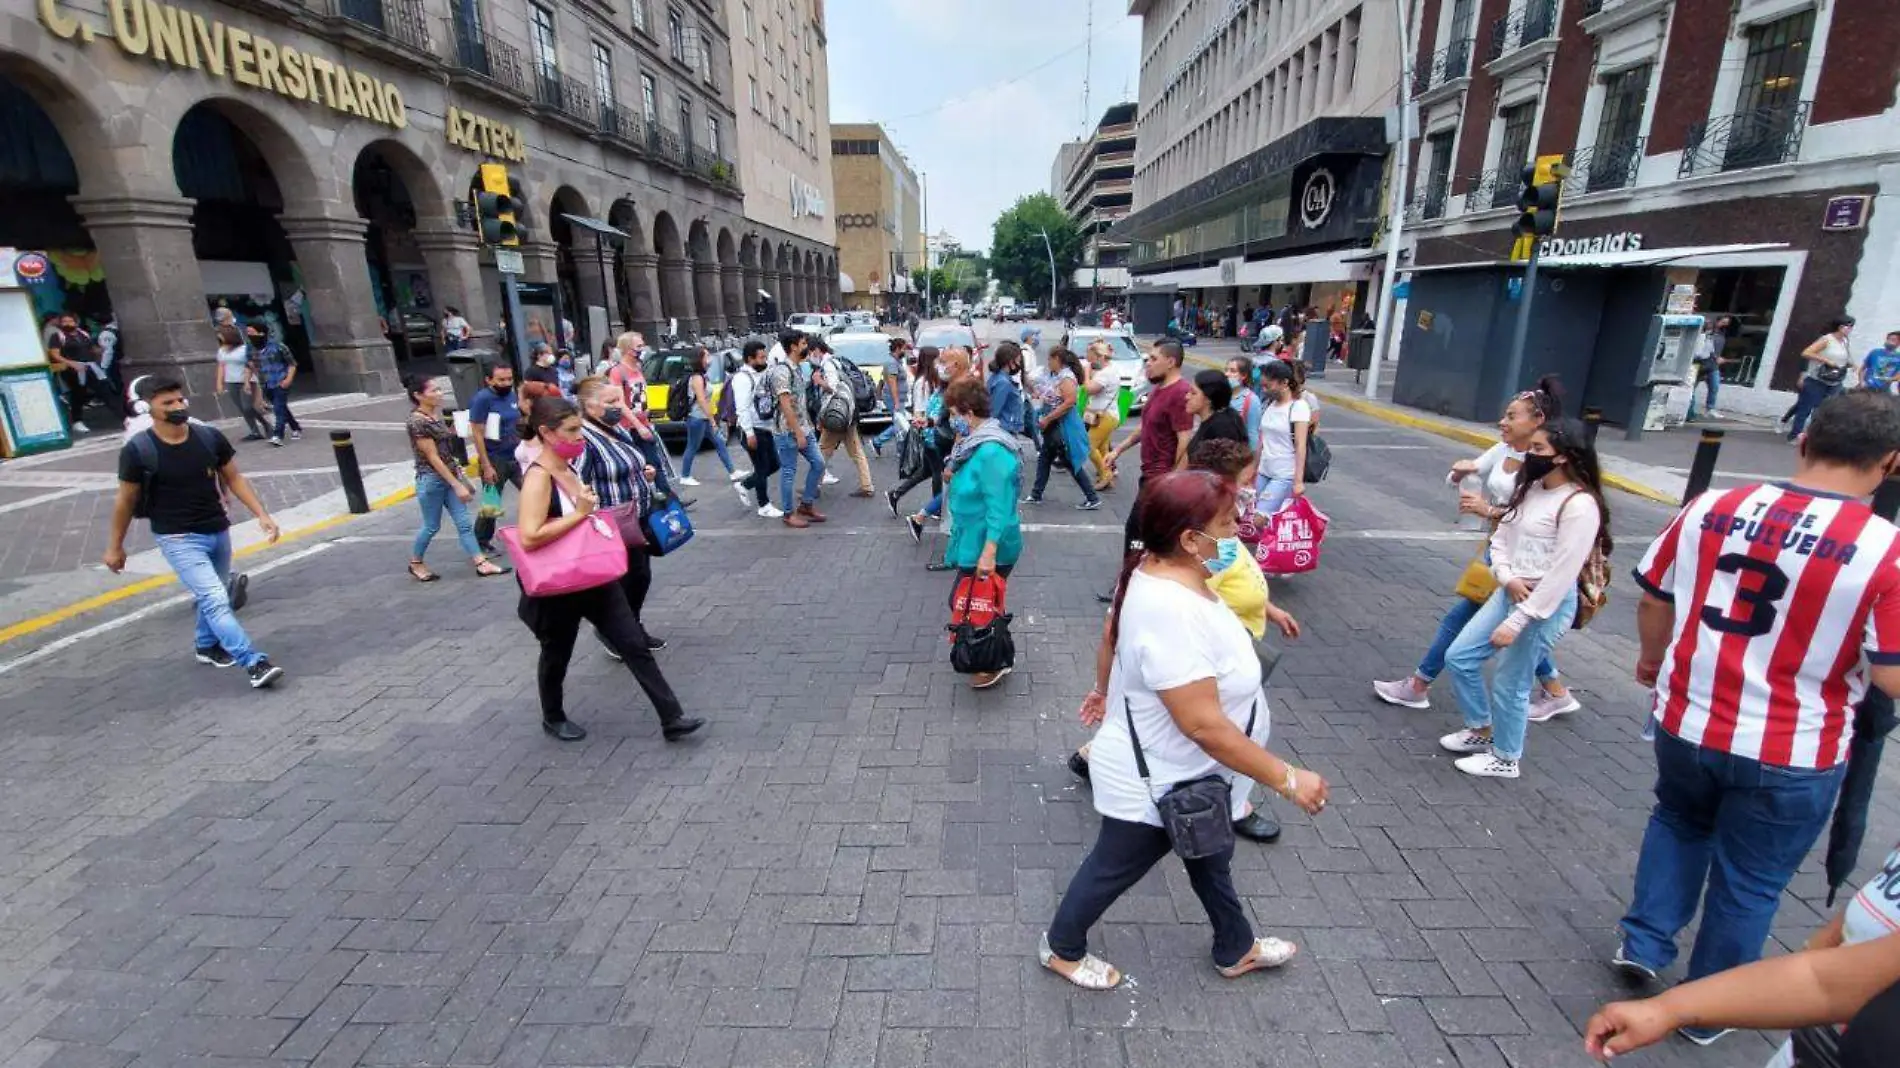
178,38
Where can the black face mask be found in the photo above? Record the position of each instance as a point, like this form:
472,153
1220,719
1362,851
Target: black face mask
256,340
178,417
1535,467
503,391
612,416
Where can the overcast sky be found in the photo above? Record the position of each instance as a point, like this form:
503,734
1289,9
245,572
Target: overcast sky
978,93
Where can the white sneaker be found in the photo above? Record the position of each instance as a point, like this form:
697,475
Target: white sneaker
771,511
1466,742
1405,691
745,495
737,475
830,479
81,428
684,481
1713,414
1487,766
1545,707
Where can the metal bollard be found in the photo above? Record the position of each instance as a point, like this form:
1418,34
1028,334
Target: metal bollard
1887,499
1702,471
1592,419
347,469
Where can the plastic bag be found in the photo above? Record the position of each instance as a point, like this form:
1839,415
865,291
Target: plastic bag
1290,538
491,502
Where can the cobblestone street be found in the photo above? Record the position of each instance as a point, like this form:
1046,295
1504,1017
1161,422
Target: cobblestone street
384,861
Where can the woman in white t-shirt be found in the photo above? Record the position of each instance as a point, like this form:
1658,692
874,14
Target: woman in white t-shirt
1286,424
455,329
1496,472
1827,359
237,381
1185,686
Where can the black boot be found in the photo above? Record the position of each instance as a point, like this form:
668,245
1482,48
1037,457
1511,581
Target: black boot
674,730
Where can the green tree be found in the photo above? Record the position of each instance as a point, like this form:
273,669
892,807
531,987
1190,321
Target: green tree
1017,255
967,273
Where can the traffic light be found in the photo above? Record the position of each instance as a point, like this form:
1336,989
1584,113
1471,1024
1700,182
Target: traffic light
1537,202
496,206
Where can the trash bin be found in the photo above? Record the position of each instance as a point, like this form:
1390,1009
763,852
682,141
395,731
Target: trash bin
1359,349
465,375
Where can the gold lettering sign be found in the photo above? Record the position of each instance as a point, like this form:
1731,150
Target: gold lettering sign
177,38
485,136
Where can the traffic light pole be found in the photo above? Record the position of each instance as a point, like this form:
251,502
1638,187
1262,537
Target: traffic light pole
1514,366
517,331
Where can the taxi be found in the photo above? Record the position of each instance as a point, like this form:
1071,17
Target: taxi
870,350
666,370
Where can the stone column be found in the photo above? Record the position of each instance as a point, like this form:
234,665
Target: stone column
455,277
593,272
706,296
676,295
643,281
347,350
732,281
144,245
754,281
537,261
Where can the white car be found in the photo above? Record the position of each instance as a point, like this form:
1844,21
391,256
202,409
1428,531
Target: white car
811,323
1126,359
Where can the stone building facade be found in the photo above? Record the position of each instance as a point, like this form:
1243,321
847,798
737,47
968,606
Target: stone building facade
782,93
311,160
880,225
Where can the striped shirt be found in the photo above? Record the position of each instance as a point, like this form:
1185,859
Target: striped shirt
1783,597
614,468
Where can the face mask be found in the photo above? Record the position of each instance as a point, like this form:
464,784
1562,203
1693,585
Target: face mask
255,339
568,450
546,359
959,424
1226,551
1236,383
612,416
503,391
567,365
942,371
178,417
1535,467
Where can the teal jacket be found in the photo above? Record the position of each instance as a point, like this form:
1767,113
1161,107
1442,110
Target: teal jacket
982,502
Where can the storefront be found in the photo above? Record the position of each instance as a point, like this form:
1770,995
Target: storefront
1780,297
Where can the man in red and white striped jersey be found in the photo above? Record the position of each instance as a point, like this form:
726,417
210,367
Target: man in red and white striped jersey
1766,611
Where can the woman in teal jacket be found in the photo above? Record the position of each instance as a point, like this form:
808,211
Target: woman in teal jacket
986,534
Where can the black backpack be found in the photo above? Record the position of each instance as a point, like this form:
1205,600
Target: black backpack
764,401
145,447
679,399
863,392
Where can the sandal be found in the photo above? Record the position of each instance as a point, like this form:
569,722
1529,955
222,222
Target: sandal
421,573
1267,952
489,569
1091,972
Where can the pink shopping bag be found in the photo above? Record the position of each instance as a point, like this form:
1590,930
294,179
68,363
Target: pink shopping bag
1290,538
590,555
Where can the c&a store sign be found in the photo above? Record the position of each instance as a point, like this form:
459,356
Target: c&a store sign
178,38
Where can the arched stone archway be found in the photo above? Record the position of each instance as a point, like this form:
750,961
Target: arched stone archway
752,278
731,279
808,280
676,283
831,281
417,226
769,277
706,298
578,269
636,268
787,284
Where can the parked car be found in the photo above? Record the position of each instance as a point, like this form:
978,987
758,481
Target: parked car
665,371
812,323
1126,359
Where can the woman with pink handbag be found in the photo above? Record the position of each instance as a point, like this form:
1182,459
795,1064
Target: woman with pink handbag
569,560
613,466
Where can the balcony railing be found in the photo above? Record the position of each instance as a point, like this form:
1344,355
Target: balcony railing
622,124
399,20
1449,62
497,61
1494,189
566,95
1605,166
1758,138
665,145
1535,21
1427,206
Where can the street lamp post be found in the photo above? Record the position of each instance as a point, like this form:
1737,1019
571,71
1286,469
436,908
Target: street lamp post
1050,249
1394,212
923,181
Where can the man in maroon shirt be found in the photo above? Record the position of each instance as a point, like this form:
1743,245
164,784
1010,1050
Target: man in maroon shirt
1165,425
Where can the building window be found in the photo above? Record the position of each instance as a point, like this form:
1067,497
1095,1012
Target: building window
771,109
639,15
686,118
799,139
545,56
649,99
1514,148
1618,147
603,75
1437,174
1776,64
752,92
712,134
676,35
745,17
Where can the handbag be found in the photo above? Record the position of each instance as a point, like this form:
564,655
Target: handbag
1593,579
626,519
1319,458
667,528
1290,538
1477,584
1198,815
589,555
980,642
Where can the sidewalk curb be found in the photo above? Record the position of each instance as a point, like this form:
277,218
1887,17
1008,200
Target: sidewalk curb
1471,437
154,582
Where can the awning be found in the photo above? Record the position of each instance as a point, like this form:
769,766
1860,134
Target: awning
595,226
845,284
1606,260
1279,270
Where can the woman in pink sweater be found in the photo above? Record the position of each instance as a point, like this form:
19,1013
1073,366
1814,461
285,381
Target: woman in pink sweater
1553,521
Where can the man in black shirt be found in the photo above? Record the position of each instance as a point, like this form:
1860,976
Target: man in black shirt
169,476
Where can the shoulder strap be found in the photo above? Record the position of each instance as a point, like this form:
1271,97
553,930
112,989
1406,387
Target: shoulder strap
145,444
206,436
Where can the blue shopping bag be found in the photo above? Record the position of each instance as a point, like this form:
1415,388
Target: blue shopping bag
668,528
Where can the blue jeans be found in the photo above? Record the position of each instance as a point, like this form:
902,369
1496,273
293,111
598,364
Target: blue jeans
1273,495
1506,708
202,562
698,430
279,397
1813,392
1738,825
1459,614
788,454
1712,378
432,495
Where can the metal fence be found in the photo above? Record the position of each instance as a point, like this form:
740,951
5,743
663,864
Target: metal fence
1608,166
1534,21
1449,62
1757,138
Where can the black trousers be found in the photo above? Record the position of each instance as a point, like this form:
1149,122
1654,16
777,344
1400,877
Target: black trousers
764,453
932,472
556,623
507,472
1131,527
1123,853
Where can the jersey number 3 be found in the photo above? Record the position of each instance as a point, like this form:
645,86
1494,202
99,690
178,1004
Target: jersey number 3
1754,612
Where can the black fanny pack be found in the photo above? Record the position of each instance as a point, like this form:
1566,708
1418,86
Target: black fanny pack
1198,815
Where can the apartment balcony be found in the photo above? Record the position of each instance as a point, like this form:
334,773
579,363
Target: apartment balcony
482,62
665,146
1113,187
1427,206
1494,189
1514,34
1606,166
1443,73
617,123
566,98
1762,137
401,22
1117,132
